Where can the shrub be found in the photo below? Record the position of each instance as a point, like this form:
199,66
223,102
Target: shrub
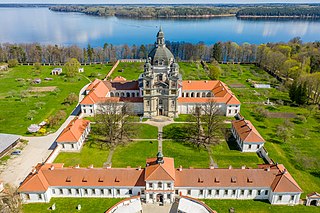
13,63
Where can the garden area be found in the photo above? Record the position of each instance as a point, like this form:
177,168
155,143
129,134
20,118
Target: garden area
69,205
298,148
128,70
25,102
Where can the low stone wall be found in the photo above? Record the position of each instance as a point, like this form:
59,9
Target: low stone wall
54,154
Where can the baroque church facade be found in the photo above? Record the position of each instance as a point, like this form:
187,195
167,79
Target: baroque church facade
160,90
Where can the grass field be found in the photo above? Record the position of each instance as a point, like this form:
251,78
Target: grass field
299,153
16,101
91,153
69,205
134,154
186,155
256,206
130,71
145,131
193,71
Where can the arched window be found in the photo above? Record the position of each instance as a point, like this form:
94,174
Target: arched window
187,94
203,94
117,94
137,94
111,94
122,94
192,95
128,94
198,94
183,94
160,101
133,94
159,185
208,94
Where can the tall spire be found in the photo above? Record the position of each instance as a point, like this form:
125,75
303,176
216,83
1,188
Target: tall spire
160,37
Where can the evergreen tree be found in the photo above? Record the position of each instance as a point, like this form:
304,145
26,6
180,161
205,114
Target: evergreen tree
217,51
293,91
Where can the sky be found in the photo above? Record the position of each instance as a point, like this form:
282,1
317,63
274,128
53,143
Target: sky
154,1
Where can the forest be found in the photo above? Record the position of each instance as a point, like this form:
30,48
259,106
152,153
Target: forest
301,11
292,61
196,11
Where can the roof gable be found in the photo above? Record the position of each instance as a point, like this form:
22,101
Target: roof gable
163,171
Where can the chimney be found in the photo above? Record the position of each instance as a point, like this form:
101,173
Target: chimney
52,167
268,169
139,168
34,170
211,167
243,167
77,166
189,81
284,171
91,166
180,168
230,167
205,81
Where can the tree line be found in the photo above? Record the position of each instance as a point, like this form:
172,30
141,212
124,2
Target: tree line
171,11
148,11
283,11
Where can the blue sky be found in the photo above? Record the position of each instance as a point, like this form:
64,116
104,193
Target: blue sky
156,1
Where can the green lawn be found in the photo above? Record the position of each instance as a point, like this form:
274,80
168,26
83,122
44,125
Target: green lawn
225,155
91,153
128,70
193,71
182,118
134,154
299,154
16,100
69,205
145,131
186,155
255,206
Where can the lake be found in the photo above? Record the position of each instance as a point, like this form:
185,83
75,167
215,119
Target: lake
27,25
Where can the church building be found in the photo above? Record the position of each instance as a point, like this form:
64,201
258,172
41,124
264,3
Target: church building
160,90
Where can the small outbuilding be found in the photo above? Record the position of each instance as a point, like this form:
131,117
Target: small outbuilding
313,199
7,142
73,136
56,71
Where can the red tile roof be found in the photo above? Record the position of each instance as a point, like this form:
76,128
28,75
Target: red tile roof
163,171
74,131
275,177
221,92
246,131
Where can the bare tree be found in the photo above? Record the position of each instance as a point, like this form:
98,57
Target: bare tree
113,124
205,131
10,201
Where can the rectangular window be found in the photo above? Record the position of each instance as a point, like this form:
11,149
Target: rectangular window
259,192
176,192
118,191
142,191
27,196
209,192
233,192
130,191
249,146
77,191
69,192
189,192
109,191
225,192
169,185
91,111
258,146
61,191
85,191
39,196
242,192
266,192
201,192
250,192
84,111
292,198
101,191
229,111
150,185
217,192
151,196
72,146
159,185
235,111
280,198
93,191
53,191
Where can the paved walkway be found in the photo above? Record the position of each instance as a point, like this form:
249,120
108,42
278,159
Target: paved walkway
37,151
155,208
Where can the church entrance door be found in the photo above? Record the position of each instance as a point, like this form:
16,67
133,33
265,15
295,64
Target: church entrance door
160,198
160,111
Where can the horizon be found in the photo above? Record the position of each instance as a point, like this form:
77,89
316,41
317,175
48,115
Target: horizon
155,2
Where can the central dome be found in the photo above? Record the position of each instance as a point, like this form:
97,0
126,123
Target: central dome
160,54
